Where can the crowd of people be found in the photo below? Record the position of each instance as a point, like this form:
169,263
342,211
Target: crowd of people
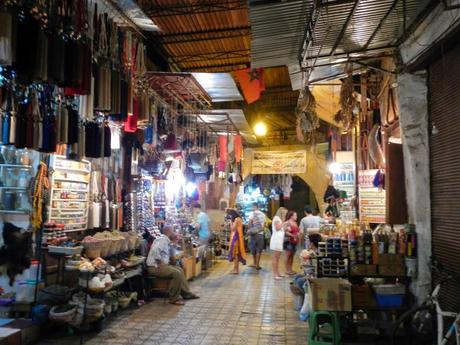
286,237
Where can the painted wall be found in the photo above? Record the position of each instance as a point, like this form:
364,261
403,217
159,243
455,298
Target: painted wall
315,176
413,102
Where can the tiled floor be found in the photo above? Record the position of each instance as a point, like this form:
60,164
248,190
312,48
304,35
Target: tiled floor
249,309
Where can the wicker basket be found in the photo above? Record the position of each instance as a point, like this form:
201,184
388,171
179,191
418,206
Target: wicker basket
123,302
93,253
64,317
105,250
133,241
124,244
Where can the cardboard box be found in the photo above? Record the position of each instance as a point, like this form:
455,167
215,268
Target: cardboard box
392,270
10,336
391,259
29,330
198,268
330,294
187,265
362,297
363,270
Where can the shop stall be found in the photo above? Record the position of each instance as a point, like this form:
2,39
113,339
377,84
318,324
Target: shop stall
96,156
368,272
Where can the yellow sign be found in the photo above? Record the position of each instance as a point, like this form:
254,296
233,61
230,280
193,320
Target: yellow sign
279,162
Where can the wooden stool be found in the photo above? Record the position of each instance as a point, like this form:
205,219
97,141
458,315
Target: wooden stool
158,285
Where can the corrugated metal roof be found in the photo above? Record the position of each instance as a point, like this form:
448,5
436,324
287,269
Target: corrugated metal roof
338,29
277,31
220,86
205,35
222,120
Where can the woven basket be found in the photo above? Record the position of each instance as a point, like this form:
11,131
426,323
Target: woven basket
133,241
93,253
65,317
124,244
105,250
123,302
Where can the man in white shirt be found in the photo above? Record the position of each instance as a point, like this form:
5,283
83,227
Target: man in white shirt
158,265
309,224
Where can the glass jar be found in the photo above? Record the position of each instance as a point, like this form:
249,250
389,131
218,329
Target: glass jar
23,180
8,200
22,201
11,178
9,155
22,157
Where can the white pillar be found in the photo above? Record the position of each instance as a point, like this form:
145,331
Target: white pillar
413,101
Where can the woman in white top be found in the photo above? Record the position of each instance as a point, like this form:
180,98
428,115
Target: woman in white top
277,240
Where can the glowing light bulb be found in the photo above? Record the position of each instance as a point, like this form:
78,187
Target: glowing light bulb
260,129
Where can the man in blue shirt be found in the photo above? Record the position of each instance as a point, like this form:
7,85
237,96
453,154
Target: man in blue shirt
202,224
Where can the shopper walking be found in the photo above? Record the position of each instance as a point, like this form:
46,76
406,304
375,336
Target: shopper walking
277,240
309,224
158,265
202,224
291,239
237,252
256,233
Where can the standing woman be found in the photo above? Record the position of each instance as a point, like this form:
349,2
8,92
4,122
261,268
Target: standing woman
237,252
291,239
277,240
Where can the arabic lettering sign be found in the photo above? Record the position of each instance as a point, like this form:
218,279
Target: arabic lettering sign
279,162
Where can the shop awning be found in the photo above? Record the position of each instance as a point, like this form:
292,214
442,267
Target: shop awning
223,121
180,88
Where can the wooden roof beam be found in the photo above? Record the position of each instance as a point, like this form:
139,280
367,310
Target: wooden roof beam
209,6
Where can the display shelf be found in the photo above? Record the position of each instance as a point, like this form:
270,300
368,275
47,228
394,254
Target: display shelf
72,200
15,188
72,190
83,168
18,166
72,169
68,209
70,180
14,212
76,230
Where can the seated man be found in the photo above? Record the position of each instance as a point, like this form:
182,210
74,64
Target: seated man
158,265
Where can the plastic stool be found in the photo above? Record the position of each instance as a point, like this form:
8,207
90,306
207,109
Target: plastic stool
324,328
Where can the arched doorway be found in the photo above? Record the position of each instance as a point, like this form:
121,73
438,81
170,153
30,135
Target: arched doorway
301,195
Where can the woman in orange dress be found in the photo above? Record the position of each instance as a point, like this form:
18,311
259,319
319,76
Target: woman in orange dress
236,252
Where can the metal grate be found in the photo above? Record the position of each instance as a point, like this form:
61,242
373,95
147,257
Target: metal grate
444,99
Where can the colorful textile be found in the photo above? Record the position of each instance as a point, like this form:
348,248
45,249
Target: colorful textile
237,250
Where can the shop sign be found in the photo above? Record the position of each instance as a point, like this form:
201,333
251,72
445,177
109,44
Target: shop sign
279,162
372,205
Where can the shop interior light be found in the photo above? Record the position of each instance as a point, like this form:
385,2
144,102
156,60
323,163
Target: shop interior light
260,129
334,168
190,188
